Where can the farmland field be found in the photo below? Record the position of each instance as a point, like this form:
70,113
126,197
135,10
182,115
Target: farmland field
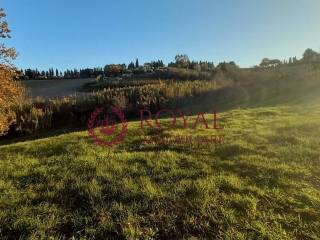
54,88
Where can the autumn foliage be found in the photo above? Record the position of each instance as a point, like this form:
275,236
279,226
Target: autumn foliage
11,92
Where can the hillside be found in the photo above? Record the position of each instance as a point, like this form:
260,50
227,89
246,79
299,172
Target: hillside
261,183
171,120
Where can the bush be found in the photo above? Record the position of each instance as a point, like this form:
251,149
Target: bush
99,78
11,94
183,74
32,117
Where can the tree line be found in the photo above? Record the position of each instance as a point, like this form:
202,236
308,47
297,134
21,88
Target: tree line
56,74
309,57
181,61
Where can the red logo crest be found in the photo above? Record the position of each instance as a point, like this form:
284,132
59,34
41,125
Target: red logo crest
97,129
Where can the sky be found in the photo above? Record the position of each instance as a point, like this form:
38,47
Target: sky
81,33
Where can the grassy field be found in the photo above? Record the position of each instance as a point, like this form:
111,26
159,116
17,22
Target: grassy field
263,182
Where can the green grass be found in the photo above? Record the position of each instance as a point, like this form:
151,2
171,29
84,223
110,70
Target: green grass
262,183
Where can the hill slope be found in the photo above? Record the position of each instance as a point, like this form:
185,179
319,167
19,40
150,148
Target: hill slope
261,183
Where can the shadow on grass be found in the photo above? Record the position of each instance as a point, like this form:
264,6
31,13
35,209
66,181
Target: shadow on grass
40,135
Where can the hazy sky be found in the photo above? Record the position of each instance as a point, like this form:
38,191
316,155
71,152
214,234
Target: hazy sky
83,33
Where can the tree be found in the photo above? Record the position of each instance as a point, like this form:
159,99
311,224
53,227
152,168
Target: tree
114,70
137,63
131,66
275,62
157,64
266,62
233,63
310,56
11,92
182,61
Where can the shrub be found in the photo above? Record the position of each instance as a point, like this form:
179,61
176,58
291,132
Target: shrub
99,78
31,119
183,74
41,114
